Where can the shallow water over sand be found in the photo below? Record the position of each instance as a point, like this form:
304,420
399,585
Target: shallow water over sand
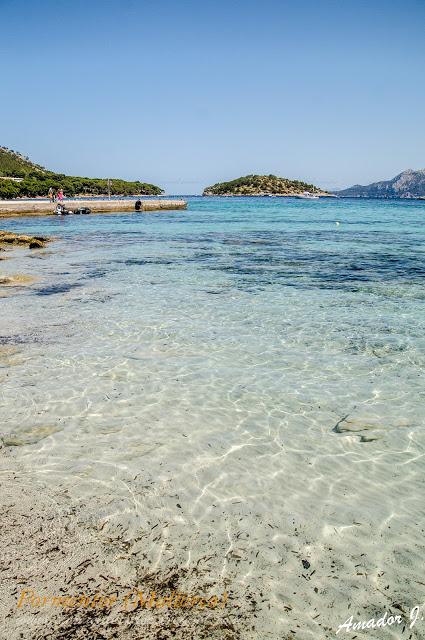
242,382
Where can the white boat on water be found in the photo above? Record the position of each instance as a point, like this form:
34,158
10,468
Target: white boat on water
306,195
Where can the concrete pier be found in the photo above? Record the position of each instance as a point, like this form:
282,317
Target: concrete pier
9,208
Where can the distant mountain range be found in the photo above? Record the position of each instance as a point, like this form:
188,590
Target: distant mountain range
408,184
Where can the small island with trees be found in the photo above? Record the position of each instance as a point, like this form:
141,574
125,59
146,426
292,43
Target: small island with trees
21,178
270,185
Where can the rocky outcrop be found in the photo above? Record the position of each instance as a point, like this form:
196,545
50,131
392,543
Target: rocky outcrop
10,240
32,242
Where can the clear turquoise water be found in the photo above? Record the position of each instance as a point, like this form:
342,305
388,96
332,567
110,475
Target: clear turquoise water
248,375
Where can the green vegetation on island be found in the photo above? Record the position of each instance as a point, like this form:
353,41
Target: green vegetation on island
254,185
19,177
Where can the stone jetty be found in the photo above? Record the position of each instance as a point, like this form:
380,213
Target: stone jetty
22,207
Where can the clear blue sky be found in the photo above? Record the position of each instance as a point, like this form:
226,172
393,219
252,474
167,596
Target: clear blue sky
188,93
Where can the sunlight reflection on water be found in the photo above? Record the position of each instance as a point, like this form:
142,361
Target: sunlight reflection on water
247,375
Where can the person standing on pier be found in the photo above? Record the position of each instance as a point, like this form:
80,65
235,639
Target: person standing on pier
51,196
60,195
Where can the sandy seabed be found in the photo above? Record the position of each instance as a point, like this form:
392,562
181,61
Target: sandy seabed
248,438
46,554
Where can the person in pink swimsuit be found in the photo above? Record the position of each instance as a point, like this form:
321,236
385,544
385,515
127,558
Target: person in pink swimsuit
60,195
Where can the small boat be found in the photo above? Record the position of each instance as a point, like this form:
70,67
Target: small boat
306,195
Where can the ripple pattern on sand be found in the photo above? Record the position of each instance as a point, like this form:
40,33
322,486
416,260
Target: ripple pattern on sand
245,385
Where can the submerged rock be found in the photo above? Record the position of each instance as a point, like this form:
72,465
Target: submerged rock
18,280
373,421
371,437
36,244
31,435
356,424
6,353
9,240
32,242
